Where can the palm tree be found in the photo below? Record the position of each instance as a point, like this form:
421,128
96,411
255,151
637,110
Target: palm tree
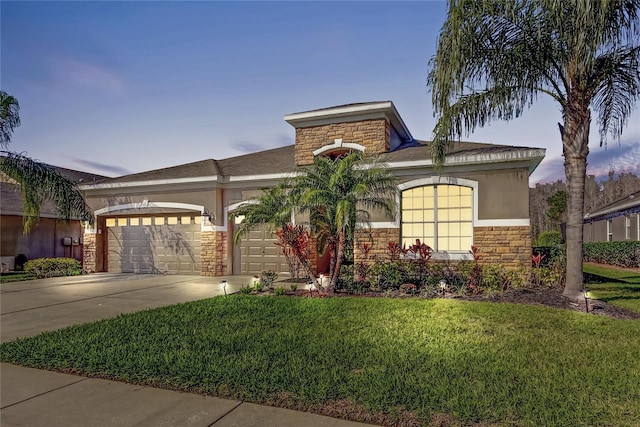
271,208
9,117
39,182
339,194
495,57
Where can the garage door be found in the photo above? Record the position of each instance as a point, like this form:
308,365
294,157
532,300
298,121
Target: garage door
165,244
258,252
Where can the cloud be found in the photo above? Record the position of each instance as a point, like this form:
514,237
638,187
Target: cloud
102,168
252,147
82,73
623,157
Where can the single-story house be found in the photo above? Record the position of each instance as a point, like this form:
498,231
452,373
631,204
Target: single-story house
51,237
175,220
614,222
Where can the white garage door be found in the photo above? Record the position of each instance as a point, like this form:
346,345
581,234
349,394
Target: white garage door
258,253
167,244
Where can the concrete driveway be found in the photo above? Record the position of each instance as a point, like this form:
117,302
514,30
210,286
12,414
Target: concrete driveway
28,308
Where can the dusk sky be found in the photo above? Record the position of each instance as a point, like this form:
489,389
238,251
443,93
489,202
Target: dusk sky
122,87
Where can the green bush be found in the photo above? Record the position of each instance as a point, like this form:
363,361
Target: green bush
279,291
622,254
246,289
549,238
53,267
386,275
552,255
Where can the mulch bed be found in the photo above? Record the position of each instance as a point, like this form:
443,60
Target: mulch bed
533,296
553,298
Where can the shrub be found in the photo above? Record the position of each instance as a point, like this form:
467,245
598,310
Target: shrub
549,238
622,254
385,275
280,291
551,255
246,289
408,288
53,267
294,287
495,278
267,278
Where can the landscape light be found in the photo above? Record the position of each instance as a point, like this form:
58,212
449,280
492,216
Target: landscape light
443,286
585,293
223,284
310,284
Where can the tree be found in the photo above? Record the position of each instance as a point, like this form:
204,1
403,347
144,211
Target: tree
9,117
495,57
557,206
336,194
38,181
339,194
273,209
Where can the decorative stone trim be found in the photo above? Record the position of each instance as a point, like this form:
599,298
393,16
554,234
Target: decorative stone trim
213,253
373,134
509,246
89,252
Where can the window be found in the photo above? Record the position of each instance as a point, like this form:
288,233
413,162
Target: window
439,215
609,230
627,227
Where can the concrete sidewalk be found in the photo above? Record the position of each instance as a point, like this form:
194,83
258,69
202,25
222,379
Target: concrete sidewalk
32,397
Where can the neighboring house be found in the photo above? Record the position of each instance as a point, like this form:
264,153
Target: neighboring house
50,238
615,222
175,220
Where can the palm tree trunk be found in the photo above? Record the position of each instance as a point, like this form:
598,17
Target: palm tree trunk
338,261
575,141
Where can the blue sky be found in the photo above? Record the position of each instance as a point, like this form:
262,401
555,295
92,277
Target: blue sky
122,87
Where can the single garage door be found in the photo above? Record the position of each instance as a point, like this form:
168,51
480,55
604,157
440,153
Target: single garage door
258,252
167,244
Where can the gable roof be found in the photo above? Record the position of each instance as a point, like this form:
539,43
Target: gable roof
202,168
281,160
626,205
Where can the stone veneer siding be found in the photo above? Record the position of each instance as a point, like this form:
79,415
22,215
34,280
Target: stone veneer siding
373,134
509,246
89,252
379,239
213,253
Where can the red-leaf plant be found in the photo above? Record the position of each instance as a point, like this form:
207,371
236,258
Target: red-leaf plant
294,240
475,280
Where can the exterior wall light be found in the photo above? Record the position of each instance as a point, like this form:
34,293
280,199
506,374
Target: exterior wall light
206,216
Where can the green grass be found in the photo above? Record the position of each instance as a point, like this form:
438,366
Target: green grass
614,286
470,362
15,277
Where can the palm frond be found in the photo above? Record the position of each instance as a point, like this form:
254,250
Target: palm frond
9,117
40,182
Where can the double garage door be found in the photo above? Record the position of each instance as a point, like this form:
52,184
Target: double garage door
167,244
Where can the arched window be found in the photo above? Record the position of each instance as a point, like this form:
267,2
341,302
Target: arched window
440,215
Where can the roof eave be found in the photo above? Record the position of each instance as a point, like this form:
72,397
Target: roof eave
384,109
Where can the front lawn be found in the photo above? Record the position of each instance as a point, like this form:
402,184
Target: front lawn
615,286
15,277
374,359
